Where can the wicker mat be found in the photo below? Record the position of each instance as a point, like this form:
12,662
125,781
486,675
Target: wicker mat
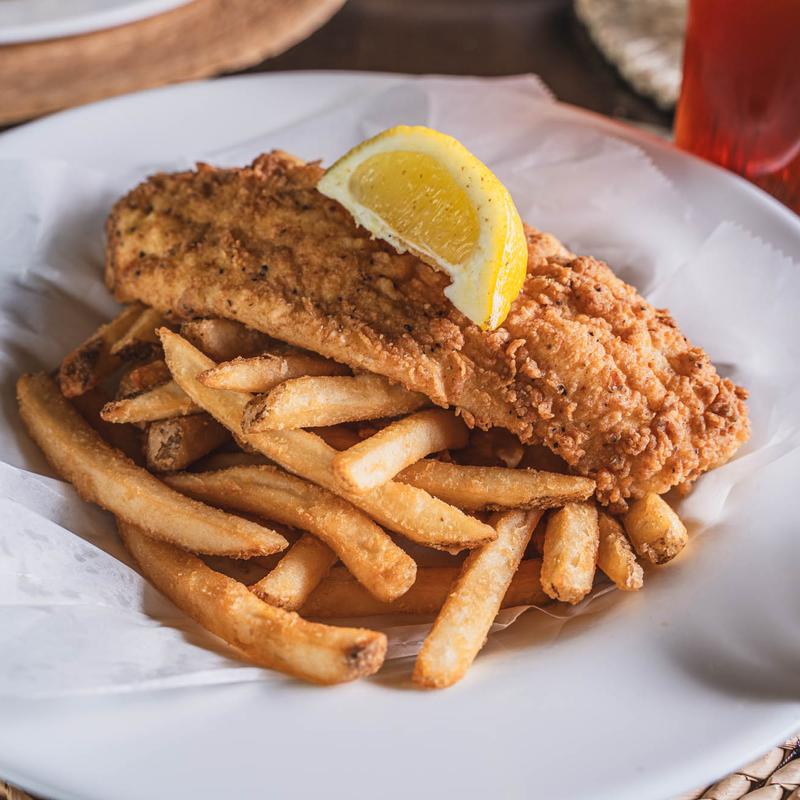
775,776
643,39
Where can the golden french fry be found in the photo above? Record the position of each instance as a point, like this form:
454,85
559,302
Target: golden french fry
267,636
496,447
476,488
140,341
340,595
368,427
537,456
570,552
379,458
339,437
244,570
263,373
142,378
366,550
615,555
225,339
463,623
92,360
216,461
172,444
104,476
537,538
124,437
297,574
163,402
404,509
401,508
507,447
314,402
248,570
655,530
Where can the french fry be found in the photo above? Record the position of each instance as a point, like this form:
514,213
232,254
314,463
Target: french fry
225,339
124,437
507,447
403,509
476,488
314,402
173,444
263,373
140,341
297,574
496,447
244,570
463,623
536,545
267,636
92,361
339,437
369,427
415,514
615,555
142,378
379,458
216,461
537,456
104,476
655,530
340,595
570,552
163,402
368,552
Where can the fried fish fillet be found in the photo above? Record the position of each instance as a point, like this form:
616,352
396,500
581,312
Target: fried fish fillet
582,363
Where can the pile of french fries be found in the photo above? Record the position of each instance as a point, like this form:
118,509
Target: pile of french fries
242,470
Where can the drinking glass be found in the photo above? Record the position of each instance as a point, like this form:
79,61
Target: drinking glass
740,98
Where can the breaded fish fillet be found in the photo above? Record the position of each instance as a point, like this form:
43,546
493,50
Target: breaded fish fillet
582,363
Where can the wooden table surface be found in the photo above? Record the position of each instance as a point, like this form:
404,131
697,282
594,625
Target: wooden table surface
472,37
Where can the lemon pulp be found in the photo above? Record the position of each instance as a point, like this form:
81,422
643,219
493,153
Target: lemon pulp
417,197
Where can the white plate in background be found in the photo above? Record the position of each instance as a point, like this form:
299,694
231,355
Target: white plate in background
664,691
35,20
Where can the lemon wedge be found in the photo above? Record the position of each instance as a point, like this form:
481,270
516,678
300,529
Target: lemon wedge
423,191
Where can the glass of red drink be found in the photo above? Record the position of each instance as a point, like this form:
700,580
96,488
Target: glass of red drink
740,99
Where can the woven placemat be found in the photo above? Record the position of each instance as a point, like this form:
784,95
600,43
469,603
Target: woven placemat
643,39
8,792
774,776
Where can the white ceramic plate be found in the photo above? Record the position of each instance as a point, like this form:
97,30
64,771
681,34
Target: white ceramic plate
35,20
653,696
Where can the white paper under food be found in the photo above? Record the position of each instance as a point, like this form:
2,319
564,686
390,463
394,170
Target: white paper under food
76,617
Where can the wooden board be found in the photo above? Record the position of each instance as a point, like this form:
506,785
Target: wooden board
193,41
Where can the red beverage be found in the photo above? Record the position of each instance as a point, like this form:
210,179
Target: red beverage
740,99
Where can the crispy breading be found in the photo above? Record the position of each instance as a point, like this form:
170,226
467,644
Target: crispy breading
582,364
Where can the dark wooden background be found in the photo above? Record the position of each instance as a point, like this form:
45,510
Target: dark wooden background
472,37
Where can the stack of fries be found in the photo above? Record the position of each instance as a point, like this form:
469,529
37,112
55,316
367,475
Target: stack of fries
298,464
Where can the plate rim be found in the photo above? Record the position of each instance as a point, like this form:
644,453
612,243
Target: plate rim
89,22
